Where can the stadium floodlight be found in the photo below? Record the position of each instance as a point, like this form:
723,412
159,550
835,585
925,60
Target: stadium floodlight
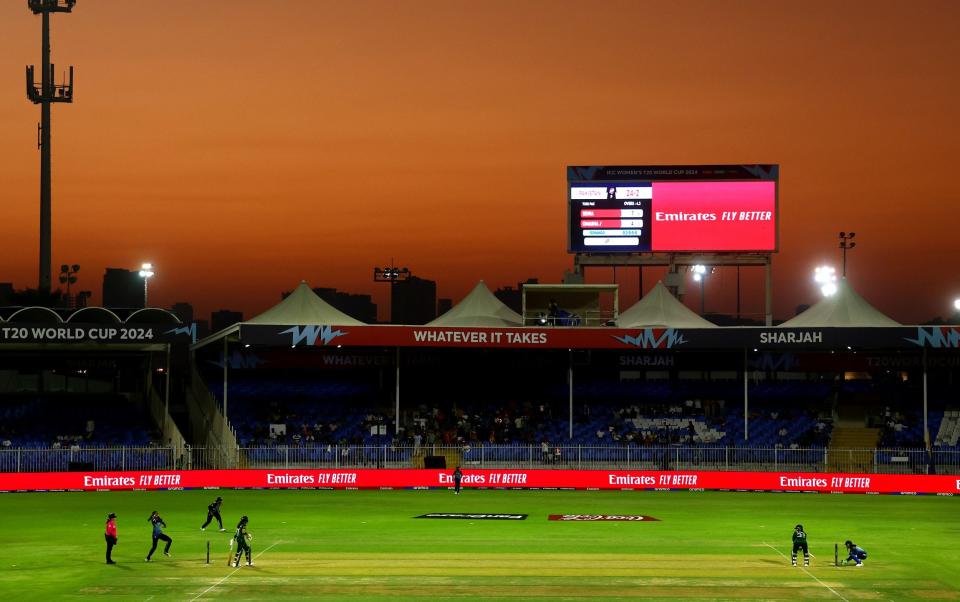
699,275
826,277
846,244
956,304
146,272
68,276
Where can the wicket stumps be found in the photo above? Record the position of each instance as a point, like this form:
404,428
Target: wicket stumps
208,551
836,554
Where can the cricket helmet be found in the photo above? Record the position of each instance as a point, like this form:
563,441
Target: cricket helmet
848,543
799,527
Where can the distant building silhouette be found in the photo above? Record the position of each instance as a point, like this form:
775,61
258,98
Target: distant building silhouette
224,318
443,306
413,301
360,307
81,299
6,293
122,288
184,311
513,297
203,328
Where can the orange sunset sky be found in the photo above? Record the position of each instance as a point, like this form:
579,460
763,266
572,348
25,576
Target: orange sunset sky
245,145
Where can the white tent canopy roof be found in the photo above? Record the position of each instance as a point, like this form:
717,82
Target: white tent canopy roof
845,308
661,309
304,307
479,308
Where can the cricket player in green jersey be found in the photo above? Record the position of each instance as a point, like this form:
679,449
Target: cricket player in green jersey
242,538
800,543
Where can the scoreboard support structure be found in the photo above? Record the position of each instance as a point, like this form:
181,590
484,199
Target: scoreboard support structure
581,261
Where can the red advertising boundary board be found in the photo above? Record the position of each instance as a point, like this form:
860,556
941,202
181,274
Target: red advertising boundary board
492,479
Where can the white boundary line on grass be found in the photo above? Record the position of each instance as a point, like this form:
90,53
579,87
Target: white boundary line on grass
812,576
262,552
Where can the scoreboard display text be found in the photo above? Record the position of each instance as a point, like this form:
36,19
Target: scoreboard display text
699,208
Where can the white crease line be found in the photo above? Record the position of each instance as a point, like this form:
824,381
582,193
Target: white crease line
232,572
812,576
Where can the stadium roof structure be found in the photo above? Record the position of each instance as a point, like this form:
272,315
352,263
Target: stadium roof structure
659,322
91,328
660,309
846,308
301,307
479,308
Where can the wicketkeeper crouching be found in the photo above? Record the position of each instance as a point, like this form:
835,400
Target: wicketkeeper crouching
854,553
242,539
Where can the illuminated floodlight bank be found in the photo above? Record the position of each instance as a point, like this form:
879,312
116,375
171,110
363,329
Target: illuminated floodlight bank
146,272
698,272
826,277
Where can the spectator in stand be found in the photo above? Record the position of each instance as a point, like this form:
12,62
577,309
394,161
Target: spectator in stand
553,312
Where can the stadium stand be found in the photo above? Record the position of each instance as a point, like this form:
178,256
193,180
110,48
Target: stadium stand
73,420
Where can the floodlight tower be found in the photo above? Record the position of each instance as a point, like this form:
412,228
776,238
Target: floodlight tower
846,244
44,94
699,275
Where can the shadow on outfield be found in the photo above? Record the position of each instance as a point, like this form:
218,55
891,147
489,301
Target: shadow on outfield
122,565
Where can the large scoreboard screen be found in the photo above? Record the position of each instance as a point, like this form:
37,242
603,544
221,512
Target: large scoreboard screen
670,208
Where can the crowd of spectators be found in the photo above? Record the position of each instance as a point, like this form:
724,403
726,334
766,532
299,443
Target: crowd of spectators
900,428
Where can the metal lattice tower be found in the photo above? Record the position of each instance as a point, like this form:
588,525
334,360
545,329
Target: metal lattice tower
45,93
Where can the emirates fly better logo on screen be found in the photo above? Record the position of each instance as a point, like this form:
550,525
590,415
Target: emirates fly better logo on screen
696,208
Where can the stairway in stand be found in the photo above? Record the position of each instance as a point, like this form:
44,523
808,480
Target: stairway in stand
852,448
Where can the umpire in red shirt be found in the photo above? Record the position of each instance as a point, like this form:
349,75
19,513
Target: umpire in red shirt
111,535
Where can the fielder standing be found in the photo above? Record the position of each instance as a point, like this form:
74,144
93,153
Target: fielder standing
457,476
213,512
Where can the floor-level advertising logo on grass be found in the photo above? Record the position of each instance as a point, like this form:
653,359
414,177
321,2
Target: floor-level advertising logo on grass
601,517
473,516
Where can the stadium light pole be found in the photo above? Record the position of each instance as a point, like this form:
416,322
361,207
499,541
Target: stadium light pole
68,276
699,275
146,272
826,277
393,274
846,245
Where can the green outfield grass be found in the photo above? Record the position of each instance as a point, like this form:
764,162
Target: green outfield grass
359,545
